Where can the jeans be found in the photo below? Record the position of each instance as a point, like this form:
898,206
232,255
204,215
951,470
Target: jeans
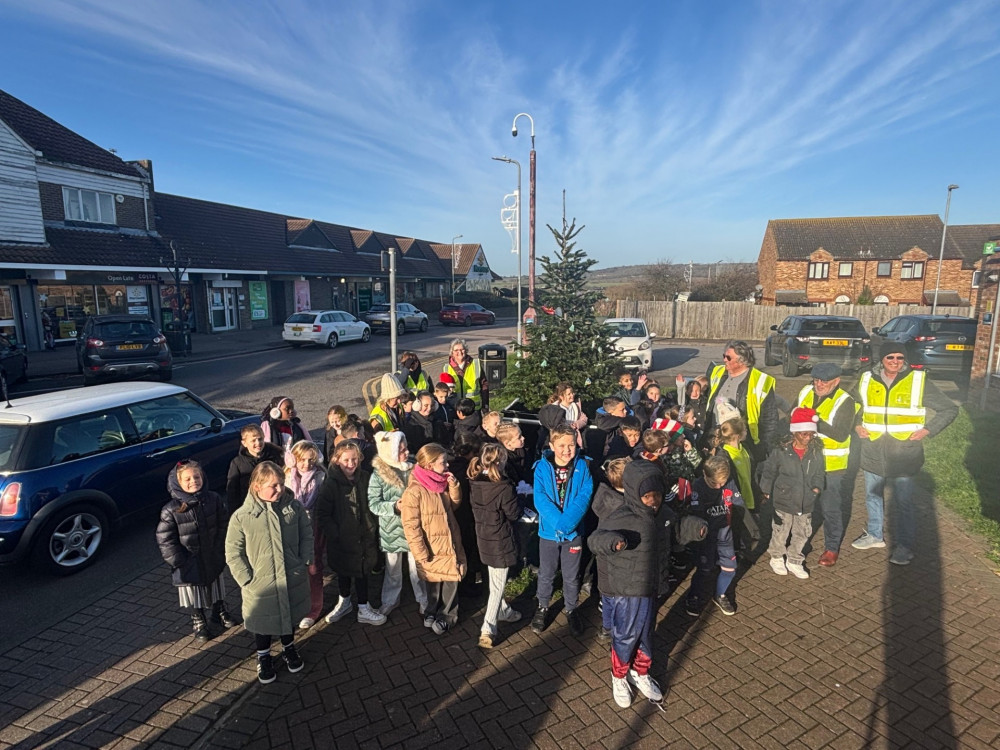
554,556
392,584
831,504
903,516
496,606
799,525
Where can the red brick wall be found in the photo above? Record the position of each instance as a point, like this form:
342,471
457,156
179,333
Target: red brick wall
127,214
979,360
767,263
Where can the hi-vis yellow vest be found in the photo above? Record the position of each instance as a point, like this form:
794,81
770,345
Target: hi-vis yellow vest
759,384
468,385
421,383
902,416
382,417
835,453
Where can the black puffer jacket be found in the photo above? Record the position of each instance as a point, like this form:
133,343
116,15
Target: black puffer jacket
643,567
351,529
794,483
495,508
240,469
191,534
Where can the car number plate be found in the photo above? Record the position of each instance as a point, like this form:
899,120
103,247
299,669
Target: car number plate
836,342
125,347
958,347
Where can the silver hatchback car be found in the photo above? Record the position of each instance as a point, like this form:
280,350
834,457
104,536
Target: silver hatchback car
408,318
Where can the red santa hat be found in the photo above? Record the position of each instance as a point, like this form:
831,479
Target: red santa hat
803,420
447,379
671,426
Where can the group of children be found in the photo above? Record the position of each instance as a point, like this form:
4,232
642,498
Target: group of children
620,502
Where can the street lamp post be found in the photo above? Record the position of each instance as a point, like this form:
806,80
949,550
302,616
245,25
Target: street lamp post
944,233
531,209
453,264
511,219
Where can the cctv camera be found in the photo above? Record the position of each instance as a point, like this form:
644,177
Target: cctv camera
513,131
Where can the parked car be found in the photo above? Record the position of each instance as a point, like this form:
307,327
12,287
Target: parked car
801,341
13,361
408,318
465,314
324,327
940,344
75,463
122,346
633,340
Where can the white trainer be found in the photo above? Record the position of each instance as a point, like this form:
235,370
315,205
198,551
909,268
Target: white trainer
369,616
306,622
797,570
646,685
344,607
621,690
778,566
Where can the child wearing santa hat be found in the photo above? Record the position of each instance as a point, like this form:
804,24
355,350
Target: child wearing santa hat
792,477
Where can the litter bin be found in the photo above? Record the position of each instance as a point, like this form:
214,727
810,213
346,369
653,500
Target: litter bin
493,364
178,337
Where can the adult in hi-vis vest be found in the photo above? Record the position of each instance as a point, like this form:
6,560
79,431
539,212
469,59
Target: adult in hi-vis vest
752,391
892,424
466,372
835,409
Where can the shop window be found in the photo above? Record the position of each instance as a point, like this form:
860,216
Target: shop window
885,268
819,270
845,270
89,205
912,269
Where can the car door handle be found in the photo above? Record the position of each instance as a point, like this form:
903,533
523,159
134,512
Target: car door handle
158,454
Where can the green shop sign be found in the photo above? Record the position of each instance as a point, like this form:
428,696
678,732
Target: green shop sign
258,300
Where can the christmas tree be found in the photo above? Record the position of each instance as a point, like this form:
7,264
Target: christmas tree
566,342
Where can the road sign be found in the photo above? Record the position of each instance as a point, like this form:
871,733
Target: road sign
990,247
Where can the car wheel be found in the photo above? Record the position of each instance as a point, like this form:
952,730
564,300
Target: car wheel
71,540
366,335
166,375
788,367
493,319
769,361
89,379
332,341
423,325
468,322
400,327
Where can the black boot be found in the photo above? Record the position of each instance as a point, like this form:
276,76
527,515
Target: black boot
201,634
220,615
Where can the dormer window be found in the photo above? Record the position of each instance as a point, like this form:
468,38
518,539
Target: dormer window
89,206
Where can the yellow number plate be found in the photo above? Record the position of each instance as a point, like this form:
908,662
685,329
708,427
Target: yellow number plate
835,342
957,347
122,347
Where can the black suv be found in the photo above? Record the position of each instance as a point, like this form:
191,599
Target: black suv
122,346
803,340
941,344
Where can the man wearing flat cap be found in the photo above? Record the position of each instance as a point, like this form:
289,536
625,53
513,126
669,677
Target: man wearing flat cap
892,424
835,409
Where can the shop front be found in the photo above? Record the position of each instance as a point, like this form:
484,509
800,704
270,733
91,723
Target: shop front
65,305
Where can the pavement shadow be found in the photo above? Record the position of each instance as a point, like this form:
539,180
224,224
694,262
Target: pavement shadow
130,673
912,703
980,462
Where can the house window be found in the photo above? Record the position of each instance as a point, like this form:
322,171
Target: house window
885,268
819,270
842,299
846,269
881,300
912,269
976,278
89,205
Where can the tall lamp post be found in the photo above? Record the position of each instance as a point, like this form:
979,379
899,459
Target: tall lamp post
510,217
944,233
531,210
453,264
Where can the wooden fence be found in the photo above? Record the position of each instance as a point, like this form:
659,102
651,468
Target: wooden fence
722,321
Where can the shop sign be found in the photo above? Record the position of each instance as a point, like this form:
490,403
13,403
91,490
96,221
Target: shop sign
258,300
112,277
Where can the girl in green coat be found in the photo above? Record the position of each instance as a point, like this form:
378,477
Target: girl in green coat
269,548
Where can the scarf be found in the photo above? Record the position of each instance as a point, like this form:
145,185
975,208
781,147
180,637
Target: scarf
305,485
430,480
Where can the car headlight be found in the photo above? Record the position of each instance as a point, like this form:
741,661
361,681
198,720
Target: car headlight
643,346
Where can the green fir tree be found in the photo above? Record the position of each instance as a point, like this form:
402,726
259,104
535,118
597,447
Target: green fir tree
566,342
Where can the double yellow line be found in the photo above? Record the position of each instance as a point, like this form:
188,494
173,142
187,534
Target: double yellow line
369,389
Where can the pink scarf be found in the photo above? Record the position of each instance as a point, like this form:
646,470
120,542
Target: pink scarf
430,480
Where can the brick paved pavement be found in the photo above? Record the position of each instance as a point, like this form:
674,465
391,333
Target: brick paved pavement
862,655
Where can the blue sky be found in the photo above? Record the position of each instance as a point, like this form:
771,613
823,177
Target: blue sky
676,128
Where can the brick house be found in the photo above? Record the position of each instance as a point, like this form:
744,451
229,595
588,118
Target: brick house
831,261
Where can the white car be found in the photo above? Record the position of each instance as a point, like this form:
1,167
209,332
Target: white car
324,327
632,340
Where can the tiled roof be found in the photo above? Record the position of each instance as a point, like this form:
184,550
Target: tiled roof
845,238
90,247
946,297
466,253
56,142
218,235
970,239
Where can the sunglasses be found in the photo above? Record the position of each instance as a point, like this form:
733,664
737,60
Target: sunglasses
728,358
892,357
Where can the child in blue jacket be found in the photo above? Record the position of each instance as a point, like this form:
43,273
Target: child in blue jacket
563,488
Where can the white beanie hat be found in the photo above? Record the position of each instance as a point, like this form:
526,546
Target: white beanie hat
725,410
389,387
387,444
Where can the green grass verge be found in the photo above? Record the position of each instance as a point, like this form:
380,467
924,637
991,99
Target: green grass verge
961,470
